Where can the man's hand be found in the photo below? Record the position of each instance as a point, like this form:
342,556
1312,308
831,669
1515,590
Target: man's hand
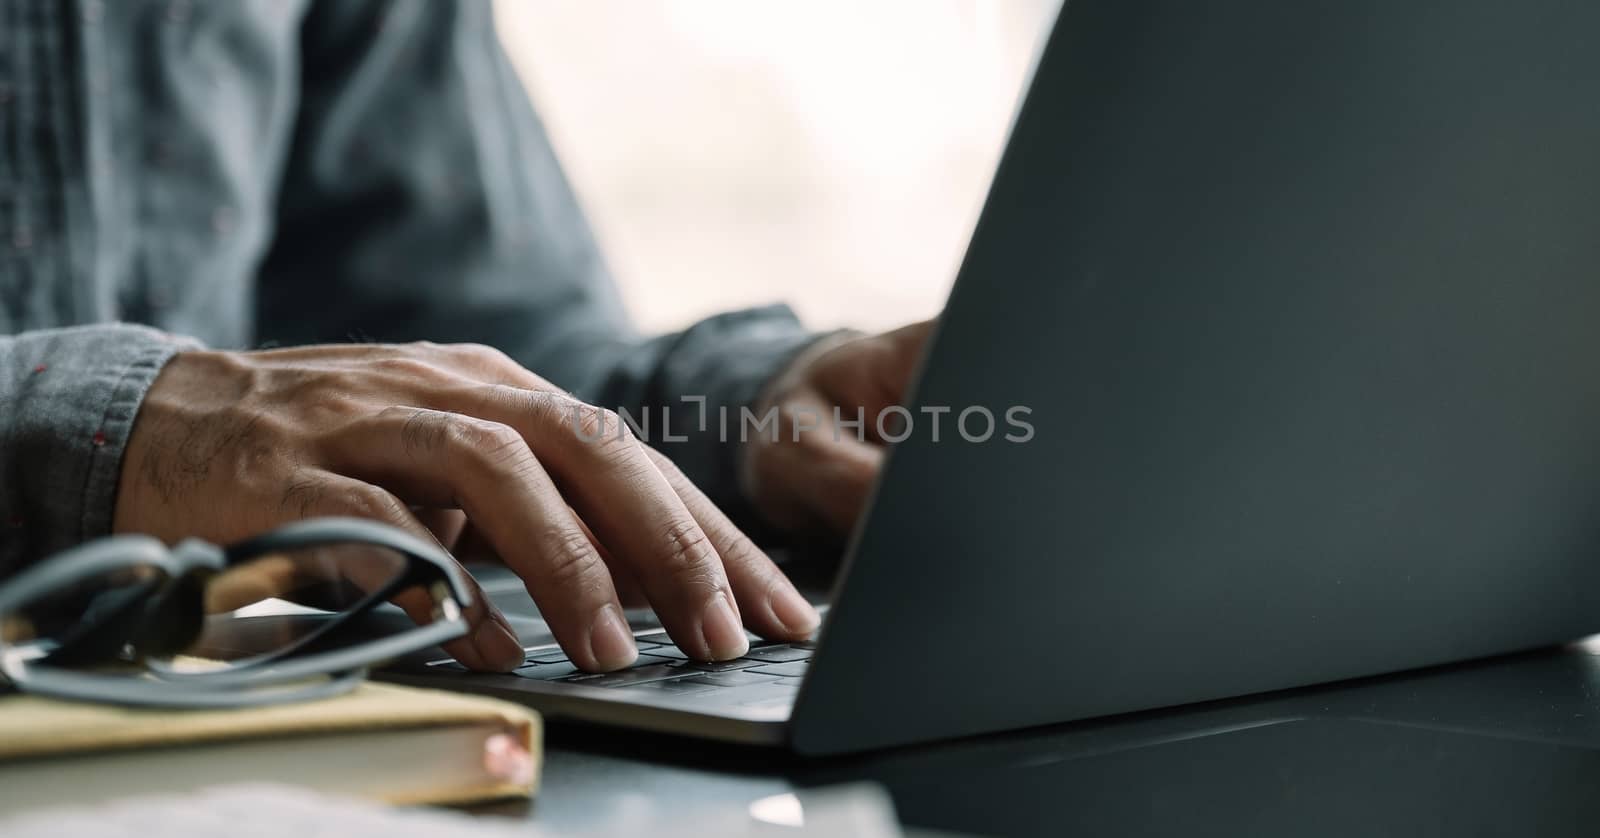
228,444
814,474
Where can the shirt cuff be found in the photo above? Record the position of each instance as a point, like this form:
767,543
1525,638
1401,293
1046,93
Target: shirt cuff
76,393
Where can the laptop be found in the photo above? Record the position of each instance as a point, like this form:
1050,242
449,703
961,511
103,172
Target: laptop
1302,303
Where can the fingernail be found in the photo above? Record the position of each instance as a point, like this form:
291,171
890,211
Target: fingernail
723,634
610,641
795,613
499,648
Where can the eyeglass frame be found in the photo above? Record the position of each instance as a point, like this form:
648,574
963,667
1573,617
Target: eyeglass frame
251,681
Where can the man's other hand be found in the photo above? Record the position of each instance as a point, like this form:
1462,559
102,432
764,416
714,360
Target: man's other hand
229,444
813,473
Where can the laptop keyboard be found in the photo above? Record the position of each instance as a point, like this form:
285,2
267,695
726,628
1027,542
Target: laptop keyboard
768,675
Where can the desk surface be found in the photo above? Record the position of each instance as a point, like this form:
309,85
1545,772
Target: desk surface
1511,742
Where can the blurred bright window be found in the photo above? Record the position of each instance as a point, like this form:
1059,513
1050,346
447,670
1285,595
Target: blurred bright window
829,154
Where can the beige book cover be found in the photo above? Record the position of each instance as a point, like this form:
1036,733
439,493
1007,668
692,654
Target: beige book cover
384,742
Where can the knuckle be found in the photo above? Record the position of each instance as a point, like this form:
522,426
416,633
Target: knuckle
303,496
406,368
548,404
480,355
590,423
495,437
420,430
373,503
606,424
332,406
502,395
686,549
607,434
303,385
250,444
399,412
490,444
570,560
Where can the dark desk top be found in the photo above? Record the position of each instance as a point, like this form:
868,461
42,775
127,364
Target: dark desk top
1511,744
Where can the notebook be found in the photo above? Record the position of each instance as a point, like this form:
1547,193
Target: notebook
380,742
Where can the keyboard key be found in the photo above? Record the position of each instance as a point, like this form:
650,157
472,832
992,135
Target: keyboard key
548,656
626,677
778,654
681,686
721,666
736,678
565,668
648,658
668,652
545,671
450,665
793,669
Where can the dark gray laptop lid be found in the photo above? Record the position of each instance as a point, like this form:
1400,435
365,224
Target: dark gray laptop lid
1304,299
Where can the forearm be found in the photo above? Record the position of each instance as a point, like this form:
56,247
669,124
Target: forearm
68,398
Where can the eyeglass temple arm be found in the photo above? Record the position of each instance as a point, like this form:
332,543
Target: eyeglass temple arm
112,619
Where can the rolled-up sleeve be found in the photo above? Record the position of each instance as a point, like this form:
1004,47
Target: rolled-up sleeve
423,201
68,399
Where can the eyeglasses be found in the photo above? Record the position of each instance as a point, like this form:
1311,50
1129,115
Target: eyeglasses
125,620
